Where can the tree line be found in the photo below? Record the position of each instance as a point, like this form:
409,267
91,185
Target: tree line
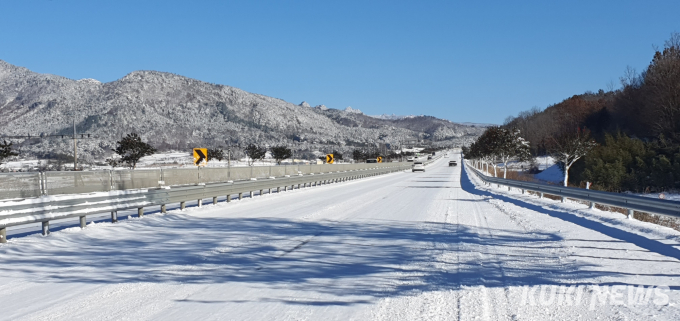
131,149
625,139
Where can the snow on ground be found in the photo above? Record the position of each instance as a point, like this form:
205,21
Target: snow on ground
551,174
666,196
544,162
436,245
23,164
170,159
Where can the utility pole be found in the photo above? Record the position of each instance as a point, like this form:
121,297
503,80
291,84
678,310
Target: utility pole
75,147
45,136
229,147
292,149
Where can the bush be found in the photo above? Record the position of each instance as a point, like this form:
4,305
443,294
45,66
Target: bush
623,163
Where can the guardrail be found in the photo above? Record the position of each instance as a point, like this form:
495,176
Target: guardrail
46,208
627,201
36,184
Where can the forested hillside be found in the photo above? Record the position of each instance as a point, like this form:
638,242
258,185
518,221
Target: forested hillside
637,127
173,112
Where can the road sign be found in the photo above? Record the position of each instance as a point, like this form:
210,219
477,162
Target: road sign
330,159
379,159
200,156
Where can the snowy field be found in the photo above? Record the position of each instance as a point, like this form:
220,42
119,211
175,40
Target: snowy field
436,245
171,159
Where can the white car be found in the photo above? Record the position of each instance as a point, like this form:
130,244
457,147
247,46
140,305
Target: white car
418,166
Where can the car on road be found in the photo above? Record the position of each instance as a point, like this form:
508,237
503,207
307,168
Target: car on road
418,166
372,160
409,159
453,163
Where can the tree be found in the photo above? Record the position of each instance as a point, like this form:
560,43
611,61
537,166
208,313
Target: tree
254,153
6,151
486,147
112,162
358,155
570,146
131,149
337,155
216,153
661,84
280,153
511,146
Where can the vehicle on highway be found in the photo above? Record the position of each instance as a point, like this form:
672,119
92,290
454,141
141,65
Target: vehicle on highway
409,159
429,157
372,160
418,166
453,163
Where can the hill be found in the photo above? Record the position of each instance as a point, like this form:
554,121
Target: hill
175,112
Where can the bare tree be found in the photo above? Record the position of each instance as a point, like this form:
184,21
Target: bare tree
611,85
570,146
673,41
662,88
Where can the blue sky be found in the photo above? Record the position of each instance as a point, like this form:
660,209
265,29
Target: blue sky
467,61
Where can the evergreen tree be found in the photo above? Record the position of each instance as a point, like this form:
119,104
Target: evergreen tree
280,153
358,155
215,153
131,149
254,153
6,151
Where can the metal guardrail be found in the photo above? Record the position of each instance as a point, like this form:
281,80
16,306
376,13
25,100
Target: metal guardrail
36,184
46,208
627,201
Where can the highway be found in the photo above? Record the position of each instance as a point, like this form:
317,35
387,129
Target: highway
436,245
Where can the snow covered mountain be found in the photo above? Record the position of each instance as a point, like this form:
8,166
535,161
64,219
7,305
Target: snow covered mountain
176,112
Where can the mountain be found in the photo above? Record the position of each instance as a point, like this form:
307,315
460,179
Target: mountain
175,112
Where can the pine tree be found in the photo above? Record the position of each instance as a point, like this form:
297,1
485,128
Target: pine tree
280,153
131,149
358,155
6,151
254,153
511,146
216,153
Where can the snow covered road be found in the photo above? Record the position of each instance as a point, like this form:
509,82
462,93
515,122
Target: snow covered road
407,246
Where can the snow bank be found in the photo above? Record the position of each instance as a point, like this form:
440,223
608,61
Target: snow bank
551,174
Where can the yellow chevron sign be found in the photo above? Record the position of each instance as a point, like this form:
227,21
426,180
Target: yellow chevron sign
330,159
200,156
379,159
